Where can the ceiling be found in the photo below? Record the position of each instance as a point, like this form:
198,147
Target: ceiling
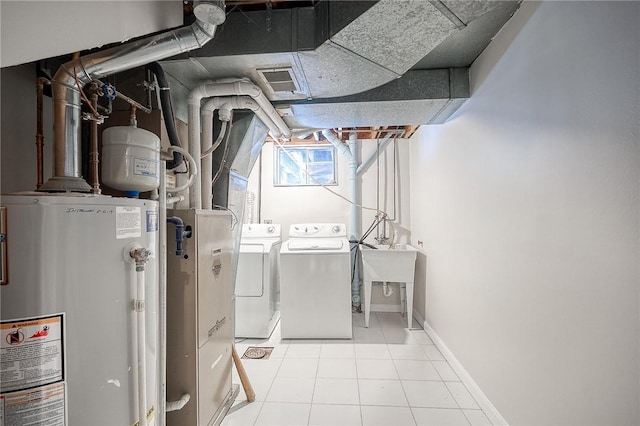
355,65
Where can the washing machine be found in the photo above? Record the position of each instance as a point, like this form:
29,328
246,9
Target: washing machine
315,282
258,281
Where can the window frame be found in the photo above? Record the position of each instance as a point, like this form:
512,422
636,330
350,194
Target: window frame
308,180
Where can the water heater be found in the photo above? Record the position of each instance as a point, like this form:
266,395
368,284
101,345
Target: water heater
78,334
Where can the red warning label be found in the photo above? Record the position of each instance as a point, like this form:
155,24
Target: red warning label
32,353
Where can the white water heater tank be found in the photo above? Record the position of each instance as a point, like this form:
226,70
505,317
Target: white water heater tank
130,159
71,310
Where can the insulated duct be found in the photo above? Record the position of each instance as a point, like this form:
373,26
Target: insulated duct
72,76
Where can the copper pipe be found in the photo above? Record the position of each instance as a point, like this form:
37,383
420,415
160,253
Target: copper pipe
133,121
93,153
40,82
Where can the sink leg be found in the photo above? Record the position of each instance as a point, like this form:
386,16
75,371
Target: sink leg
367,302
409,300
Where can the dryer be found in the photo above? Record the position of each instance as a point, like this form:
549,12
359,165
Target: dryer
316,282
257,288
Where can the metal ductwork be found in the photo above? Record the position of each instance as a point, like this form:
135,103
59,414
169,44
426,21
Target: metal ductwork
362,63
232,163
73,75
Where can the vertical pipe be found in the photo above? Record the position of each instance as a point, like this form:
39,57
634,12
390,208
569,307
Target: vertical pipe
206,165
195,193
162,296
142,341
93,151
40,82
354,196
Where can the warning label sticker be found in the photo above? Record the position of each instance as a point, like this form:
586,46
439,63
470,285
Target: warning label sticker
145,167
36,407
128,222
32,353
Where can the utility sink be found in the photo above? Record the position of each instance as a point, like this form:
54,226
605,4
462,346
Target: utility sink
395,264
388,264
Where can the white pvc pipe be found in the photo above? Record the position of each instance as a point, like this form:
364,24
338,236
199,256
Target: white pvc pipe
342,147
354,194
233,88
141,344
193,169
351,153
206,163
228,103
179,404
162,296
387,291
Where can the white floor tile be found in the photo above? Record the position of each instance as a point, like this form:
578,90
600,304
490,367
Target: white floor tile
298,367
376,369
382,392
462,395
409,369
387,416
407,352
391,319
372,351
429,394
358,321
335,415
368,335
399,336
337,350
477,418
336,391
279,350
242,413
446,372
278,414
303,350
337,369
432,352
286,389
260,387
261,374
439,417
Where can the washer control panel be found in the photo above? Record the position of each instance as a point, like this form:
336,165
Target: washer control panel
318,230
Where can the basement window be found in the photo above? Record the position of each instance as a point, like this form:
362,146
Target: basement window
291,163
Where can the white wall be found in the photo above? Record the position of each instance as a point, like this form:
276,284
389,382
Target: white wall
527,201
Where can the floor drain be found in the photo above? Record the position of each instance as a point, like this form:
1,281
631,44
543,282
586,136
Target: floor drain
255,352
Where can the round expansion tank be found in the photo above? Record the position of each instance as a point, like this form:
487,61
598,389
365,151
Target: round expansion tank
130,159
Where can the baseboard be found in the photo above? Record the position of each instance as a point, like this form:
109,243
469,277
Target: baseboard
489,409
382,307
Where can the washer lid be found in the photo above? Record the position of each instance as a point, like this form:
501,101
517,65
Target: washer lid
256,245
315,244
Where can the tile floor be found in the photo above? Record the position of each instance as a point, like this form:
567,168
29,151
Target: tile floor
387,375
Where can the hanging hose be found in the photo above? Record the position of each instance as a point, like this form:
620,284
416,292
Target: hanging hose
167,112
